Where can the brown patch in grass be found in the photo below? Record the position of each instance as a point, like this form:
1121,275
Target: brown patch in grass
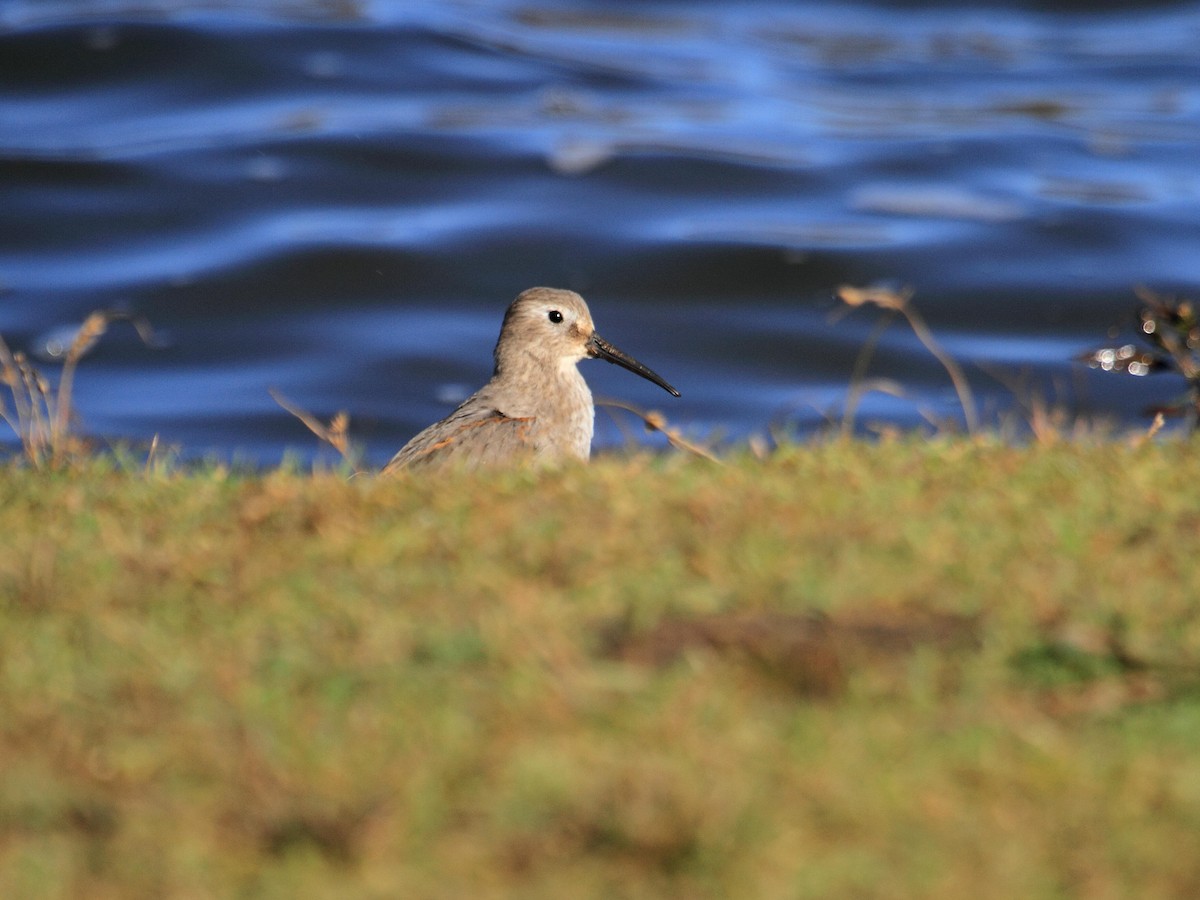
335,833
638,814
279,811
812,654
94,819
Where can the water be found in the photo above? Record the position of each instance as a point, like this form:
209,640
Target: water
338,200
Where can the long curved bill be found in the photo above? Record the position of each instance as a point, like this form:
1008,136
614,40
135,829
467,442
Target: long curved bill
599,348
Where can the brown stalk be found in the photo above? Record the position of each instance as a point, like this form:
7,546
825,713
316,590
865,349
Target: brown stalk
34,436
10,375
858,384
898,301
656,421
91,331
42,413
336,433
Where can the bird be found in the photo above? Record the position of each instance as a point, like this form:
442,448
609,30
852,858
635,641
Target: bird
537,409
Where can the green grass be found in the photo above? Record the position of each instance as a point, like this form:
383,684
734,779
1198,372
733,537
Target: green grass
912,669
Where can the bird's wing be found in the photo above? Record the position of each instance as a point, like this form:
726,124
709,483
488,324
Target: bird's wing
473,438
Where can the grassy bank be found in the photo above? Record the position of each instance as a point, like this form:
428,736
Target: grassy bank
927,669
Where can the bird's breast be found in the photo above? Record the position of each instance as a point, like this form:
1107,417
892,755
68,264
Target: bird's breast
565,418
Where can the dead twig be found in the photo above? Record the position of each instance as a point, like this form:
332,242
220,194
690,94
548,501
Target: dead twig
656,421
336,433
897,301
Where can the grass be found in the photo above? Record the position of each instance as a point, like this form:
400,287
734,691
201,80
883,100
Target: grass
914,668
42,416
934,668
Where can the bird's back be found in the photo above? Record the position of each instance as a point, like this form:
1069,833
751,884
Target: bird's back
470,436
549,421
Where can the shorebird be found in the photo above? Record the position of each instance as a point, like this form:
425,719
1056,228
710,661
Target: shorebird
537,408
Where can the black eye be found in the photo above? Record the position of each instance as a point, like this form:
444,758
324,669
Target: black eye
555,316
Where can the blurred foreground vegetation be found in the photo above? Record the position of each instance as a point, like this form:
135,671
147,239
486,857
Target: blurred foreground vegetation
940,668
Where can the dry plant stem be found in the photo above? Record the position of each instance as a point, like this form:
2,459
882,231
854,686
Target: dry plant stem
655,421
40,412
1150,433
628,436
858,386
10,375
879,386
336,434
150,456
898,301
92,329
961,387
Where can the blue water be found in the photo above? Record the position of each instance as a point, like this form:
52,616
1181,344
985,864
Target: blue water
338,200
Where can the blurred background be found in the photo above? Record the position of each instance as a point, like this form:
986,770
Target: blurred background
338,199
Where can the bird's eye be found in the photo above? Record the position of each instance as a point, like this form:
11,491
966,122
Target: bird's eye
555,316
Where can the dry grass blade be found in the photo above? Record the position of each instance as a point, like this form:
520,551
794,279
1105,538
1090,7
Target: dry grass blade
858,384
336,433
1150,433
898,301
89,333
875,295
862,387
41,415
10,376
339,432
38,406
656,421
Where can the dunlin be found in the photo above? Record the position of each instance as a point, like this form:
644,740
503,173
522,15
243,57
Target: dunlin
537,408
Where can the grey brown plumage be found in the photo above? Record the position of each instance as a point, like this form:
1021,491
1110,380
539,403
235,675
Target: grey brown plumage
537,408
